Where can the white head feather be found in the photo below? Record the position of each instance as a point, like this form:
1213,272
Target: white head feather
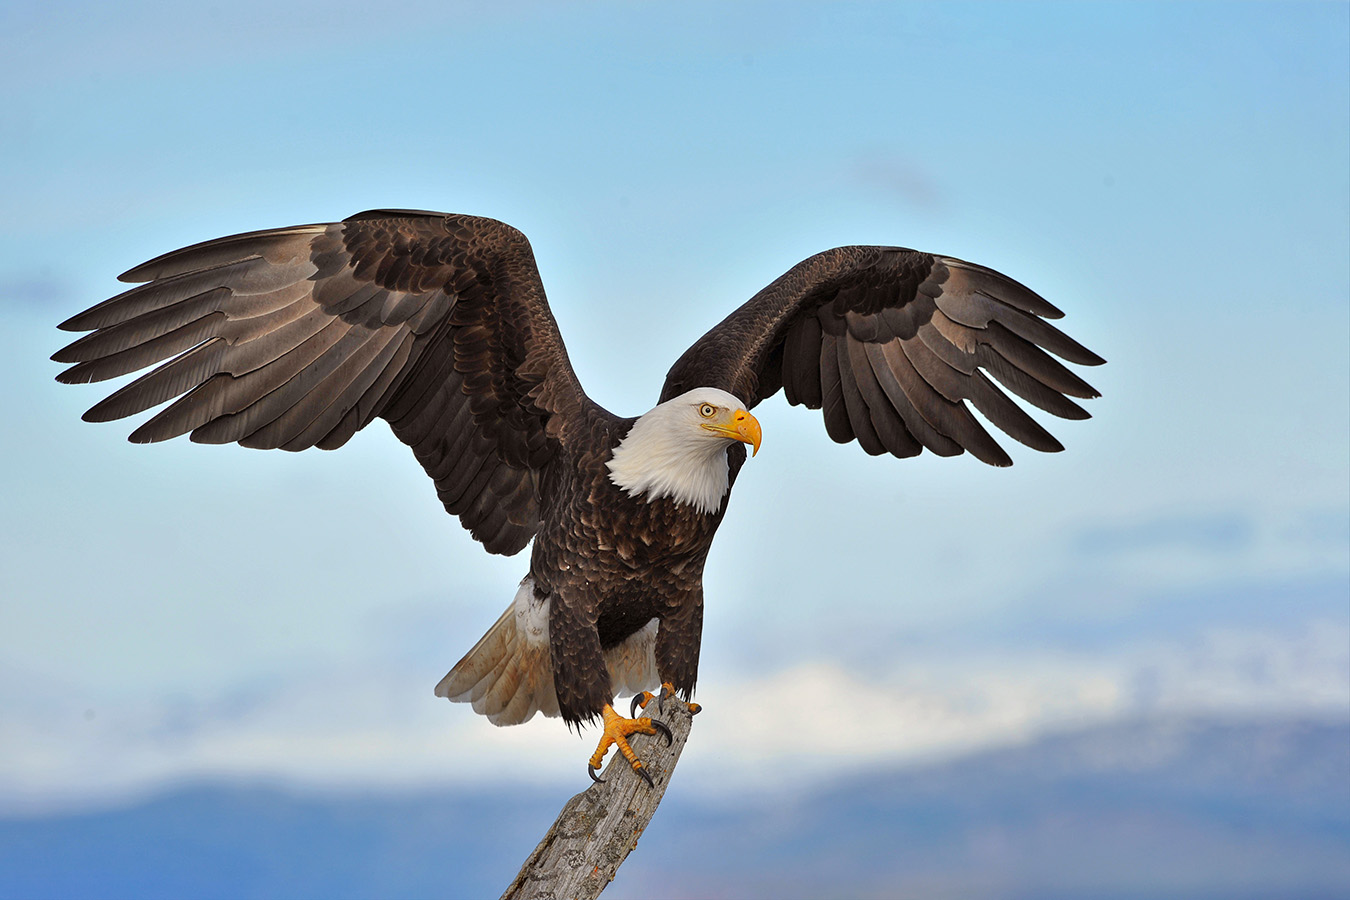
669,452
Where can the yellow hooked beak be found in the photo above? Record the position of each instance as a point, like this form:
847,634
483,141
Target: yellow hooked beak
742,427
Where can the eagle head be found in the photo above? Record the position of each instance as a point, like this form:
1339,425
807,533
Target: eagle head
678,450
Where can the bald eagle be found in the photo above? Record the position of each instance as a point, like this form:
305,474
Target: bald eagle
299,337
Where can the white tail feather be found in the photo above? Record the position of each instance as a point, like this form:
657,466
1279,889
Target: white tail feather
508,675
632,663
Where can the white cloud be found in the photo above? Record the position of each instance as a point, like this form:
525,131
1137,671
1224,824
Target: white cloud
378,726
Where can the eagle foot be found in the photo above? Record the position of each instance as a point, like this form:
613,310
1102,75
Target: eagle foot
640,701
617,729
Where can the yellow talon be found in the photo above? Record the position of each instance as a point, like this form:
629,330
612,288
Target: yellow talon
616,731
641,700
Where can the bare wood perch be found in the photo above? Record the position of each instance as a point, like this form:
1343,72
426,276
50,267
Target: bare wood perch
599,827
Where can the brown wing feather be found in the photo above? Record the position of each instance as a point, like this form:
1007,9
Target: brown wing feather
893,345
299,337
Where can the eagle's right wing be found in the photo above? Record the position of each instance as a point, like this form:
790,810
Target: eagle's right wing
298,337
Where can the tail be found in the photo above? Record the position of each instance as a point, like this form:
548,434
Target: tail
508,675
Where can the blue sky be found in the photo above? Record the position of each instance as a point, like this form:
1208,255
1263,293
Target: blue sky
1173,176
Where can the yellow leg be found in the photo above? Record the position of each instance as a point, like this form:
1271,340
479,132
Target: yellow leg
617,730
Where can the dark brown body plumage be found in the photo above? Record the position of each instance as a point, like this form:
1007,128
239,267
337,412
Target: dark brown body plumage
299,337
617,562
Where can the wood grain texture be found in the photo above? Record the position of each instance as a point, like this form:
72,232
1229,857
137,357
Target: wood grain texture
599,827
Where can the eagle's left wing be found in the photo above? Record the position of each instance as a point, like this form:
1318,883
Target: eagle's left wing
891,343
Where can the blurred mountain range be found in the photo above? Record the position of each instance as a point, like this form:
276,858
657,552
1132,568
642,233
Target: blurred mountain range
1158,808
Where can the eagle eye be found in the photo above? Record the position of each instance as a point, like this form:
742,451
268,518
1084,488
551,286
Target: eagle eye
707,410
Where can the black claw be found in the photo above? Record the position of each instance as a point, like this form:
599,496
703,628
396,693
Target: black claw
661,700
645,777
590,770
661,727
632,710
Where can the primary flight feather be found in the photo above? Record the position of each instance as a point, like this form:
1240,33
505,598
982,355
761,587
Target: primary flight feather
299,337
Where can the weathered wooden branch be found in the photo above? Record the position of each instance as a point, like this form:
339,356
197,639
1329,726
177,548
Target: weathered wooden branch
599,827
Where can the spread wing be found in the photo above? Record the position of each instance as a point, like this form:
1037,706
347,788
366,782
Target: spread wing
891,344
299,337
